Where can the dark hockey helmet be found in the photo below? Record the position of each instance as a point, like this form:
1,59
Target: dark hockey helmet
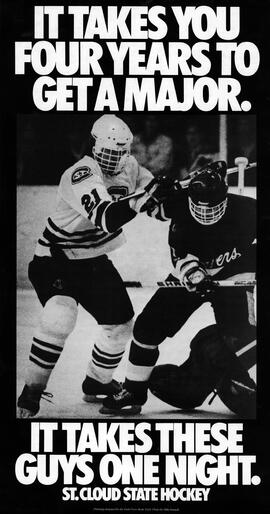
207,193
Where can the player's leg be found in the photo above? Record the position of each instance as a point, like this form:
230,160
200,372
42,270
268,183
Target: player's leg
213,364
187,385
163,316
220,358
108,350
108,301
57,320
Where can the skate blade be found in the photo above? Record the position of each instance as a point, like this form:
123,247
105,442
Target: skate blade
125,411
24,413
94,398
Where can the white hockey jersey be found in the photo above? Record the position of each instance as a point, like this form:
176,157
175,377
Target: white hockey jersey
84,192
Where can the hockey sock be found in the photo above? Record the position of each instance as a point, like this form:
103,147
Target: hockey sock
57,321
142,359
42,359
108,351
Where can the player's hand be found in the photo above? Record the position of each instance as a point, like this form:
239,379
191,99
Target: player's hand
206,287
193,278
197,280
156,192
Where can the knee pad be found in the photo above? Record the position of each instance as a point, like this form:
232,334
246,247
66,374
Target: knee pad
58,318
115,337
145,334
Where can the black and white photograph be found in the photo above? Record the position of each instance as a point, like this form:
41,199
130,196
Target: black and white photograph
136,266
134,263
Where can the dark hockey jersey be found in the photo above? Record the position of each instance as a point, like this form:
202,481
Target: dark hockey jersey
225,248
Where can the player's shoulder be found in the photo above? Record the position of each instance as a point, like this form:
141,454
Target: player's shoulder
85,168
242,212
132,166
132,161
245,204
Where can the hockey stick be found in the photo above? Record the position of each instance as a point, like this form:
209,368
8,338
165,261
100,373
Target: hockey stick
241,163
235,169
220,283
185,183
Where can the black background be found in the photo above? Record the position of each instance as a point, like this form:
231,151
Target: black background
17,18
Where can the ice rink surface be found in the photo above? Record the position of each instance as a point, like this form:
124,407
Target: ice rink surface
66,379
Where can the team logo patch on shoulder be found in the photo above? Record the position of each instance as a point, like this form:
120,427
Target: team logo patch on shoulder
80,174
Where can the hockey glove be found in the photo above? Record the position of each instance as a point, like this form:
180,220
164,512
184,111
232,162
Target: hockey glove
195,279
156,192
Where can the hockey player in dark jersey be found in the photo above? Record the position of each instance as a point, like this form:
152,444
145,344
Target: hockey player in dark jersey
211,236
71,267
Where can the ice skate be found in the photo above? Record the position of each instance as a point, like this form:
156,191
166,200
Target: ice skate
29,400
123,403
94,391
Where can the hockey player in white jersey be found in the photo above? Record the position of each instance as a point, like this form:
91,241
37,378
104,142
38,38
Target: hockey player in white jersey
71,267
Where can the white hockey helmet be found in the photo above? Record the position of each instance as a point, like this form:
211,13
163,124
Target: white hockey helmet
112,143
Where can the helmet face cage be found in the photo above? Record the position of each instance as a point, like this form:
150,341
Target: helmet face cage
208,193
110,161
207,215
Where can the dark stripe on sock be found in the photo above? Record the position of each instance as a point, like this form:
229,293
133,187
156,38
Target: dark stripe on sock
108,354
48,345
49,357
103,365
41,365
105,360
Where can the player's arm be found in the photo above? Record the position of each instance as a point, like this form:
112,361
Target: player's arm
244,268
91,199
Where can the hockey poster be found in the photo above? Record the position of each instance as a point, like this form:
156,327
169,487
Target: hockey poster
133,155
